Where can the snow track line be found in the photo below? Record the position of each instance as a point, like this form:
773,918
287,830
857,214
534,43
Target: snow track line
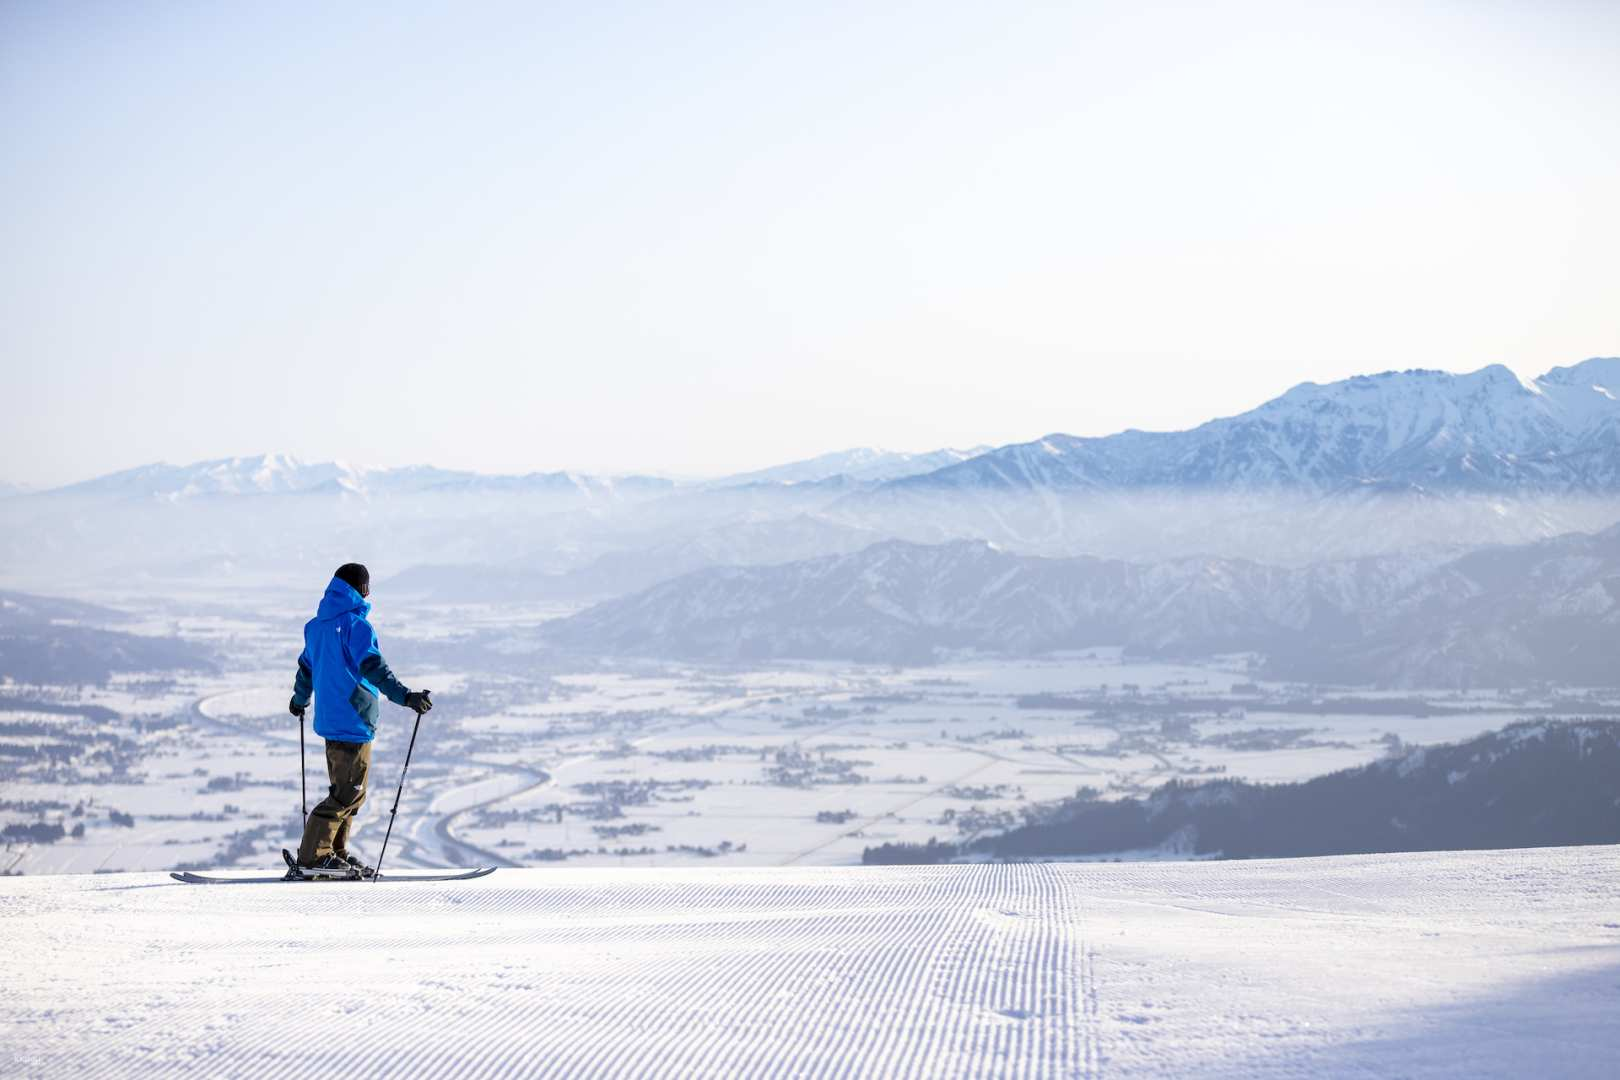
908,972
1092,1049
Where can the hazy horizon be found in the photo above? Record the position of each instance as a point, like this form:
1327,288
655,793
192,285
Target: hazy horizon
713,473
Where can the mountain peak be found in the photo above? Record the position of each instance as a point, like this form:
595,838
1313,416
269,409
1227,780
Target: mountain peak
1604,370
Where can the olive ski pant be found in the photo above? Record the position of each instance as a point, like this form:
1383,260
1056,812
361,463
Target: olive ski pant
327,830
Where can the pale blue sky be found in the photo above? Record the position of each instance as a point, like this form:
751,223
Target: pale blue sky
695,237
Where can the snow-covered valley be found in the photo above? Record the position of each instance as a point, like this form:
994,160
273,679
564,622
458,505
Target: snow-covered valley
1495,963
670,765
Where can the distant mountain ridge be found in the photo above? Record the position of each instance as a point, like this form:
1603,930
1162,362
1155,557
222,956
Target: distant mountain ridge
1485,431
46,639
1420,430
283,474
899,602
1497,616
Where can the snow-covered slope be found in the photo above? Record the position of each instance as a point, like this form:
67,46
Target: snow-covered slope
1427,430
1432,965
864,464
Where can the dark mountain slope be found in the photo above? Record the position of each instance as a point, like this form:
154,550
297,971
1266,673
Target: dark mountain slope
1536,784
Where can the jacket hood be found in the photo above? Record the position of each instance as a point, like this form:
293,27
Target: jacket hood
341,597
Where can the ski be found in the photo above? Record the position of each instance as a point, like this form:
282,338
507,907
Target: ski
204,879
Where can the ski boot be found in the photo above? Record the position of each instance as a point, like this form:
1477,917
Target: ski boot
356,865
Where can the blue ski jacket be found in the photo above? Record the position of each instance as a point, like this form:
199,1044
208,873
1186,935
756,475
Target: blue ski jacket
342,667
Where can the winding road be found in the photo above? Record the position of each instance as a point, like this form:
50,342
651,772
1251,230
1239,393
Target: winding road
424,838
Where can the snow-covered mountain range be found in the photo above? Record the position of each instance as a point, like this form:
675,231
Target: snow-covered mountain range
1371,466
1484,431
1401,430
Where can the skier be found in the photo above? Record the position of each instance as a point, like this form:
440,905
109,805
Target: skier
343,669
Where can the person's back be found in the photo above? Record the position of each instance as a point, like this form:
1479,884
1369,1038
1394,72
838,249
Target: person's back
344,670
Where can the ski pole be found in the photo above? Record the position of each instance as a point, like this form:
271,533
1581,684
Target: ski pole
303,771
377,874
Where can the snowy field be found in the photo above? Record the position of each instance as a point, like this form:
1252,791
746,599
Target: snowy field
1447,964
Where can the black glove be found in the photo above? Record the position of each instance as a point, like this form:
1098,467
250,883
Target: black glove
418,700
296,709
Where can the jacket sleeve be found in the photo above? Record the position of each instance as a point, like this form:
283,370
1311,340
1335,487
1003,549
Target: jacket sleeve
304,681
373,668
